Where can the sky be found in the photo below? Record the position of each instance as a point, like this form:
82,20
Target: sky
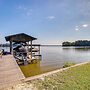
51,21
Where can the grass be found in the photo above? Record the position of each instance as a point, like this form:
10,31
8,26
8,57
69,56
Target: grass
76,78
68,64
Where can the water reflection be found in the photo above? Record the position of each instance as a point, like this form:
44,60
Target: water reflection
76,48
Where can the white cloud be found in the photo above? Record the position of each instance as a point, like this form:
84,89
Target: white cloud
27,11
81,27
85,25
77,28
21,7
51,17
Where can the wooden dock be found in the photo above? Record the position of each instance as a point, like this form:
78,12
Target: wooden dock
10,73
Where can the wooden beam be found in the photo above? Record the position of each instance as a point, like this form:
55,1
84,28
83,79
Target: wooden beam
31,49
39,50
11,47
28,50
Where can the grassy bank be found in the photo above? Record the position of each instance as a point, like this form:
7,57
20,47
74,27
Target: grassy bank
76,78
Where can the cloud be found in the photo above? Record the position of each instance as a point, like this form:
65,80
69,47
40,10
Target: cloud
85,25
51,17
26,10
81,27
77,28
20,7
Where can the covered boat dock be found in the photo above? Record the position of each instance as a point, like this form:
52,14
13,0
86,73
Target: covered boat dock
27,42
22,37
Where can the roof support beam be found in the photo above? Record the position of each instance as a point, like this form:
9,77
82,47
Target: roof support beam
11,47
31,49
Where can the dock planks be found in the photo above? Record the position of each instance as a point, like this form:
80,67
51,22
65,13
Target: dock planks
10,73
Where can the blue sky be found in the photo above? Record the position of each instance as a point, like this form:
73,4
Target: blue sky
51,21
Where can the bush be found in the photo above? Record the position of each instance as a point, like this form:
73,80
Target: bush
68,64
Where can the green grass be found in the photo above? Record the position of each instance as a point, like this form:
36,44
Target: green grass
76,78
68,64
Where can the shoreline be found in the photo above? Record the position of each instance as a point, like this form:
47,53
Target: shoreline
52,72
27,82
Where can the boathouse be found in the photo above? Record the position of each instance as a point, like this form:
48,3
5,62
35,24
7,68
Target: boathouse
21,37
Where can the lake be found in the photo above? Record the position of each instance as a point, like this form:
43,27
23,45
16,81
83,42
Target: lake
54,57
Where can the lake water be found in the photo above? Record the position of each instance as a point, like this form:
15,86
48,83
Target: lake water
54,57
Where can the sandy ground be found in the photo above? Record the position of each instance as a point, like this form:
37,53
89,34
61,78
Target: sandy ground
23,86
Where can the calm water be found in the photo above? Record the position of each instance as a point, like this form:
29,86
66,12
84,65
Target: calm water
53,57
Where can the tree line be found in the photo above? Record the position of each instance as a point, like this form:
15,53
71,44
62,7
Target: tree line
77,43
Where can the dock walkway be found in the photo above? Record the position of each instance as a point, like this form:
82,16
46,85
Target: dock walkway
10,73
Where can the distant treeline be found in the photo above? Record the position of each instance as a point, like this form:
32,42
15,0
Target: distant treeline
5,45
77,43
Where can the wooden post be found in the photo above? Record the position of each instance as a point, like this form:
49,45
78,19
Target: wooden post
28,49
39,49
11,47
31,49
28,45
